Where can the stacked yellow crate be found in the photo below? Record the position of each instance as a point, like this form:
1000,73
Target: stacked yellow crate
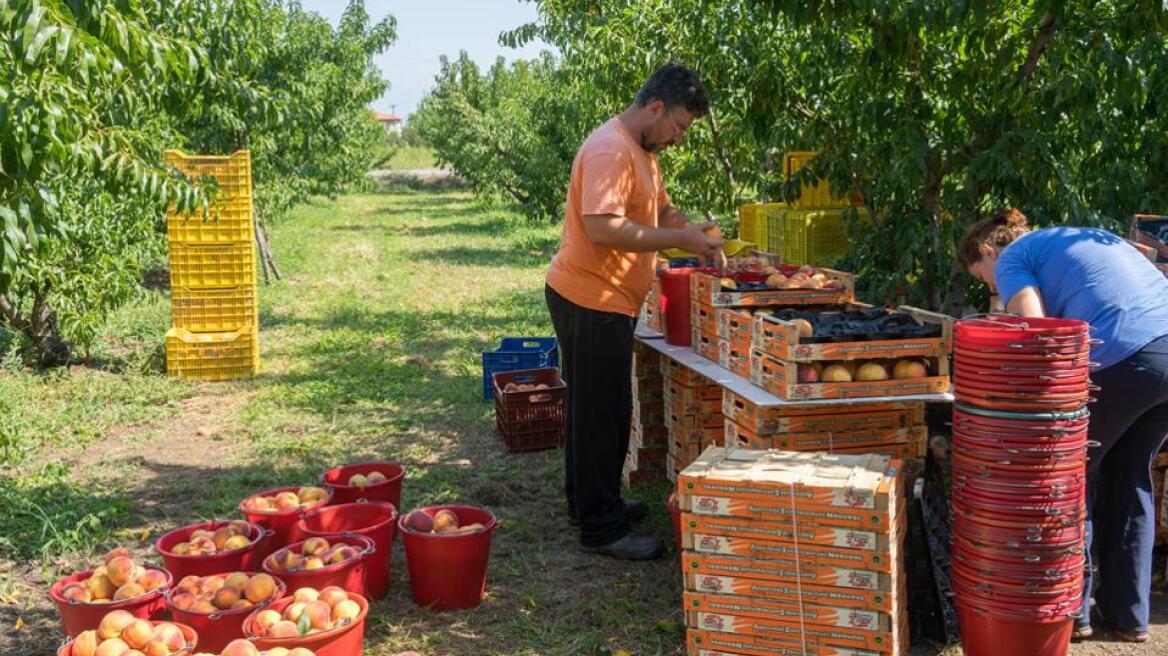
793,553
214,310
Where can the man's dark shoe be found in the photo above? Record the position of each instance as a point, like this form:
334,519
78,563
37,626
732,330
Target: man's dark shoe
635,508
630,547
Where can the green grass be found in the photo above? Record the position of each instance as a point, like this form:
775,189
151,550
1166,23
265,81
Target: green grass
370,349
411,157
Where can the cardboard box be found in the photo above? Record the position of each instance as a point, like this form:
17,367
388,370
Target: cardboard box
705,345
783,570
639,458
734,359
766,420
794,631
808,533
781,340
832,441
786,511
704,318
648,389
825,595
649,436
707,290
779,377
838,616
693,400
813,554
734,326
718,643
683,374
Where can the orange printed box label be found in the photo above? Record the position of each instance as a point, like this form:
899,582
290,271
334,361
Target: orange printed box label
812,554
827,514
719,643
787,610
808,592
782,570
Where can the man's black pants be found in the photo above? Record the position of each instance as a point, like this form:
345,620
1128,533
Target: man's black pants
596,351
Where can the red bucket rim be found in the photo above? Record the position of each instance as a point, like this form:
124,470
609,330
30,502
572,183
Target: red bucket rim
283,513
389,480
342,507
1013,324
487,527
287,601
258,534
1032,359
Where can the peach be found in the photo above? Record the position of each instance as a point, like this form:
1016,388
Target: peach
374,477
445,520
240,648
137,634
346,610
305,595
279,651
152,579
319,614
472,528
236,542
120,570
419,521
264,620
342,553
100,587
835,373
221,535
114,553
181,548
293,611
313,562
314,546
311,494
358,481
201,533
205,607
259,588
283,629
170,636
803,326
258,505
76,592
287,501
85,644
112,647
134,652
189,583
236,580
225,597
909,369
284,559
156,648
240,527
211,583
806,374
298,651
333,595
242,603
203,544
113,623
183,600
871,371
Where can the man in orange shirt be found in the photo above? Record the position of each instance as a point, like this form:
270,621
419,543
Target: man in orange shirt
617,217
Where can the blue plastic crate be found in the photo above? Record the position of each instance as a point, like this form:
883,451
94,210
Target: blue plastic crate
518,353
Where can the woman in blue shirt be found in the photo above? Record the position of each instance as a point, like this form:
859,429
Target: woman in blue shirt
1095,276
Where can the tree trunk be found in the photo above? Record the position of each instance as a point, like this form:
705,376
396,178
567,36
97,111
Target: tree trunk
724,159
41,329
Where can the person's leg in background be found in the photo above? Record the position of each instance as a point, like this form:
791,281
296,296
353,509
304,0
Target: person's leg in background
563,321
1118,473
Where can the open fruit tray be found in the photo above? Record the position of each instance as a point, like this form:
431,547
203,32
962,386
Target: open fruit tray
768,420
782,378
750,289
831,441
859,331
734,359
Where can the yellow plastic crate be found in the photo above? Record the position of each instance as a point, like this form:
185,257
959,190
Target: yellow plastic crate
812,196
212,356
213,309
752,224
230,220
815,237
232,172
197,266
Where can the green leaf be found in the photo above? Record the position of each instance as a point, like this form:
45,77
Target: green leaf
33,51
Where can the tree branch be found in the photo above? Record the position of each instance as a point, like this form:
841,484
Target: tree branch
726,163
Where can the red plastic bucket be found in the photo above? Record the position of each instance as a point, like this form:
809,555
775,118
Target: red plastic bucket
675,303
182,565
348,640
189,635
389,490
217,629
79,616
449,571
348,575
375,520
990,634
1008,327
282,523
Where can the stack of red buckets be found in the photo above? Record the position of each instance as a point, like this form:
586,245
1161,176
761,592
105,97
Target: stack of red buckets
1019,458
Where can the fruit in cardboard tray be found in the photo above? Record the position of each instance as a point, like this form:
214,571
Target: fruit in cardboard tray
807,374
776,280
909,369
851,366
803,326
331,610
871,371
818,367
729,283
836,373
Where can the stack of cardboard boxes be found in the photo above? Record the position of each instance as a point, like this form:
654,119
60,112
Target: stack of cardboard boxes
793,553
648,437
693,415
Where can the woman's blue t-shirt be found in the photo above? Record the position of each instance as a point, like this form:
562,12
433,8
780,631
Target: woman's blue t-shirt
1093,275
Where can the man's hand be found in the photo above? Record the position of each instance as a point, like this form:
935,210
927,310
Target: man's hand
695,239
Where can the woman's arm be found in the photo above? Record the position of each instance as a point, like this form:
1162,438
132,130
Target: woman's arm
1027,303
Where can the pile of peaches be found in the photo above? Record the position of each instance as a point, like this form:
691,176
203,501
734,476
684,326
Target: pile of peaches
246,648
442,522
120,633
117,579
311,611
846,371
285,501
315,553
208,594
202,542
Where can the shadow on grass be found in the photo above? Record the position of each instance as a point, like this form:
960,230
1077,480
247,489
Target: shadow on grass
470,256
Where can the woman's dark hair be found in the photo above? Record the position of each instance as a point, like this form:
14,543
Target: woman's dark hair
676,86
998,230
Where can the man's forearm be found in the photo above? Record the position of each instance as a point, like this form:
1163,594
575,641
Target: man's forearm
671,217
623,234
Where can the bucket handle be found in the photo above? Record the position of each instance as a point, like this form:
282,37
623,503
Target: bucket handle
368,551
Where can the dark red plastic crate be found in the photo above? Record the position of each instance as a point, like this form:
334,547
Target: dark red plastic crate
532,420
